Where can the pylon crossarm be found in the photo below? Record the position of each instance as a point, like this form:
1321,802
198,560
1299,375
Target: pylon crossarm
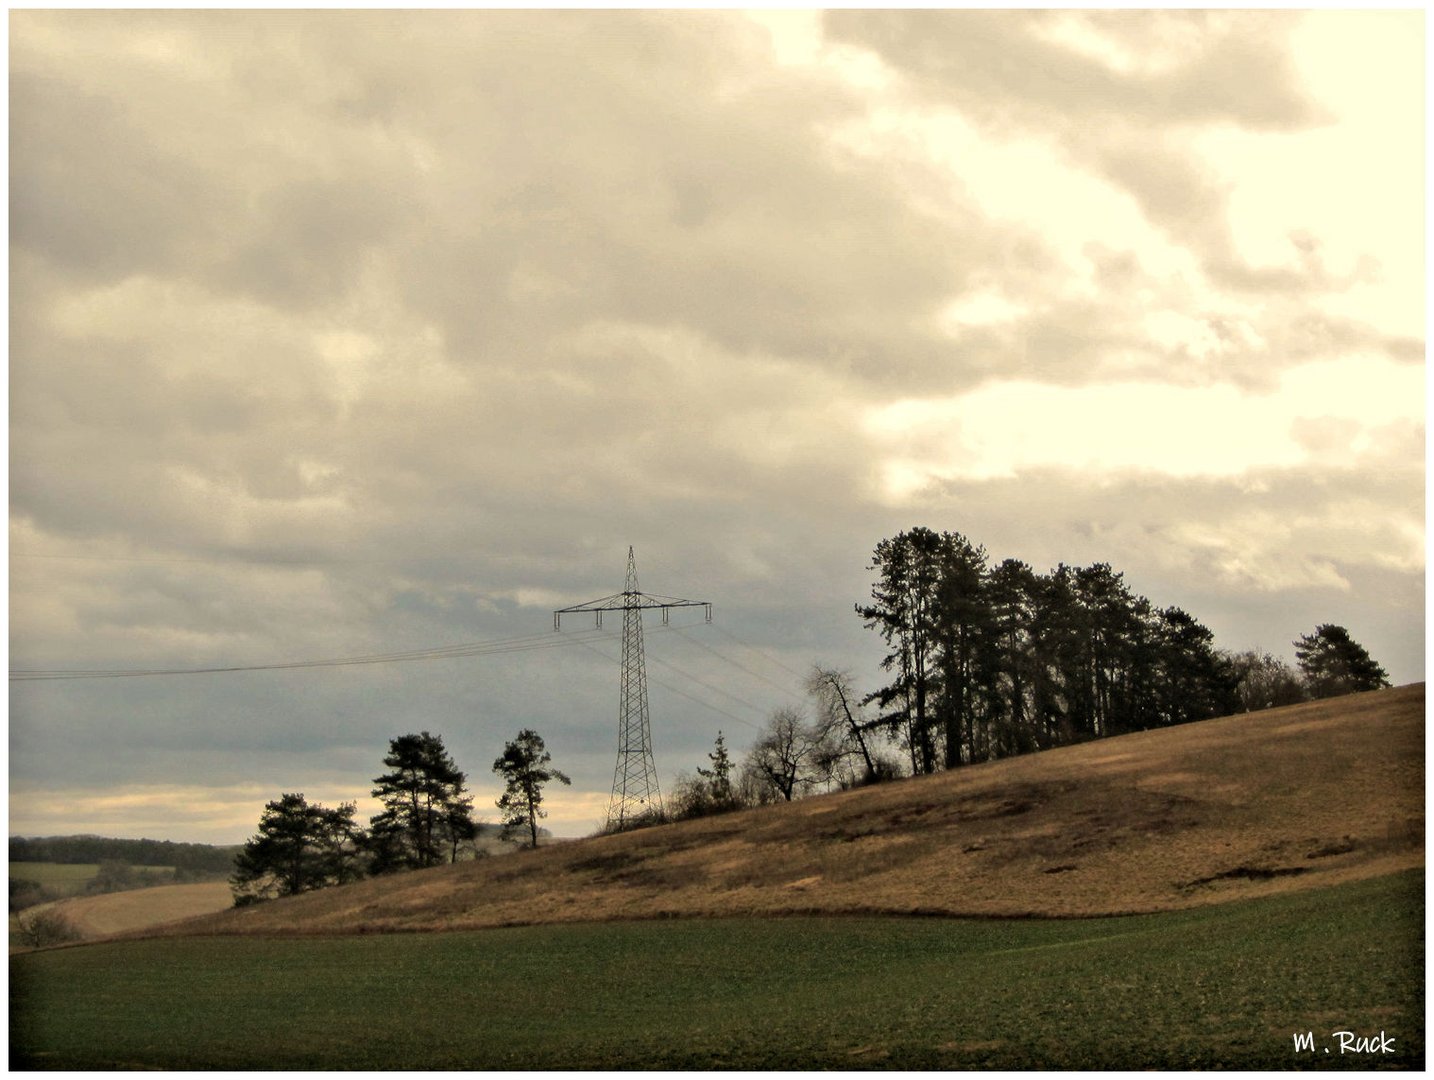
629,602
671,601
607,603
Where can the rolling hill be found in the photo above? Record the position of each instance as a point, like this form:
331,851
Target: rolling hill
137,909
1310,795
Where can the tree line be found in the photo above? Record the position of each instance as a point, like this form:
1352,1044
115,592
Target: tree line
427,820
986,661
989,661
1331,664
195,858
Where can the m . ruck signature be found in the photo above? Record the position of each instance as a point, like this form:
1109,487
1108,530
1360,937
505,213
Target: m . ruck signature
1349,1043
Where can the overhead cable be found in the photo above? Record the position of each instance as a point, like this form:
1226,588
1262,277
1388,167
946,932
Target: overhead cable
683,693
787,690
478,648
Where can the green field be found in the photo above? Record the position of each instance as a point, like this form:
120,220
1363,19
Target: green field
62,879
1214,987
68,879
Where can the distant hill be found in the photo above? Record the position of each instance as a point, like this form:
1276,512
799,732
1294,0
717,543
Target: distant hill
206,858
1297,797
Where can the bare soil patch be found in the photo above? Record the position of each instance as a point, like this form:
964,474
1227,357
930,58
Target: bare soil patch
1244,806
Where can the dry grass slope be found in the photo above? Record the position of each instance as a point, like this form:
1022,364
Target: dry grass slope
139,909
1244,806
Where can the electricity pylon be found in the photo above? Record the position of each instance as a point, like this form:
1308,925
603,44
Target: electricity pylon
635,792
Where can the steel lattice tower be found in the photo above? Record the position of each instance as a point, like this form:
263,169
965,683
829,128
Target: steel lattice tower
635,792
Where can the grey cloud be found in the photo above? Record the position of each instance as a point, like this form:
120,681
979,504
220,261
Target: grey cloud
138,414
1167,184
89,191
306,242
536,170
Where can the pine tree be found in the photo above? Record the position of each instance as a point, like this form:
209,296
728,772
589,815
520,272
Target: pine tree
525,766
719,777
988,662
905,595
1334,663
426,810
299,846
962,622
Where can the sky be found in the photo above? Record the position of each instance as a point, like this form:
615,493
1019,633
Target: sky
351,333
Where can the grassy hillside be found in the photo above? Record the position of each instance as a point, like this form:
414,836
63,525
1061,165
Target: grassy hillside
1246,806
1218,986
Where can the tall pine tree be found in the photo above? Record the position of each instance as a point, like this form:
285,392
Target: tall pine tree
426,811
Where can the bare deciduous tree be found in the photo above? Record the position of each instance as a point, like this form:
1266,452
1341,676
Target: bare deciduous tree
785,753
841,730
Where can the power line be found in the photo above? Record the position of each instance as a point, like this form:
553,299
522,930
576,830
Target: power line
787,690
528,643
680,693
765,656
708,686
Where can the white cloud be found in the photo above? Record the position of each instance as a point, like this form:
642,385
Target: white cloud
989,307
1347,196
227,814
1006,428
1269,551
1167,43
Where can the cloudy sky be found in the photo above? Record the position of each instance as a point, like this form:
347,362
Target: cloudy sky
350,333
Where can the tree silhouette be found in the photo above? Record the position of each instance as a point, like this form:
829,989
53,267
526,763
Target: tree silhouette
988,662
1334,663
962,618
300,846
903,612
1264,681
426,810
525,766
841,733
719,777
784,753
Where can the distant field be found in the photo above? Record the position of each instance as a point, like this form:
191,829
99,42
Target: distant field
1216,986
68,878
65,878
